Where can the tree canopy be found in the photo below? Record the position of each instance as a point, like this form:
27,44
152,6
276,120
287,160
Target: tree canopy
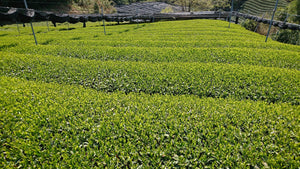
186,5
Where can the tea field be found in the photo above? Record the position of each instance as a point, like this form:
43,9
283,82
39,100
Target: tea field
180,94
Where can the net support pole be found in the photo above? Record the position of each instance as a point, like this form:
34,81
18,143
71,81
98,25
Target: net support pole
153,17
103,20
231,11
137,13
31,24
33,33
48,26
271,22
258,23
286,18
18,27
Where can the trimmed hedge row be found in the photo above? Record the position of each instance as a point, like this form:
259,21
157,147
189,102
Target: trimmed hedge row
45,125
176,78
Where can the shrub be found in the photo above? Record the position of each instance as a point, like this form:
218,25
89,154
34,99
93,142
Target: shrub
249,24
288,36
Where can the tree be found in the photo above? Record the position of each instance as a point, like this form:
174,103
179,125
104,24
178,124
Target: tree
107,6
237,4
297,11
204,5
298,7
35,4
294,9
190,5
221,4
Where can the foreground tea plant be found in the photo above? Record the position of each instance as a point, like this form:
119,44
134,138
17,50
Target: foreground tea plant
45,125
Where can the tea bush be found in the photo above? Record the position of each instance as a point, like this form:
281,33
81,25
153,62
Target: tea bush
182,94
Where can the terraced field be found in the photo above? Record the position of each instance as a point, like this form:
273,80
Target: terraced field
260,7
167,94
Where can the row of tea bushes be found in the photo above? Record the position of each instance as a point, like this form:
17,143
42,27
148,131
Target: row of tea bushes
47,125
176,78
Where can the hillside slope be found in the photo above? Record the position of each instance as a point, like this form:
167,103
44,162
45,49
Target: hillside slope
147,8
259,7
181,94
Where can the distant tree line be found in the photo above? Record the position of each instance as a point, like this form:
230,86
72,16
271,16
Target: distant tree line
35,4
195,5
186,5
292,12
